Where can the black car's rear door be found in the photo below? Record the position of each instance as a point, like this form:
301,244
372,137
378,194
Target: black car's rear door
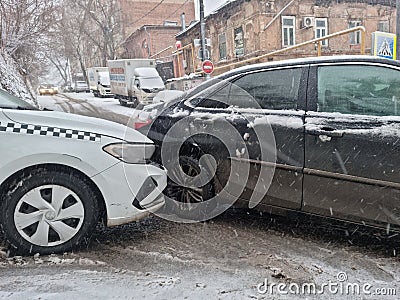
352,143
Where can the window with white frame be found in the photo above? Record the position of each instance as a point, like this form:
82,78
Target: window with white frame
321,29
288,31
355,37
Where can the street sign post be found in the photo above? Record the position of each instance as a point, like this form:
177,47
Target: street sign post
207,67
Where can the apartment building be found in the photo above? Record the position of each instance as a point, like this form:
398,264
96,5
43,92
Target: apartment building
249,28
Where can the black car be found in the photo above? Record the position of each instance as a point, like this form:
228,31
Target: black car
316,135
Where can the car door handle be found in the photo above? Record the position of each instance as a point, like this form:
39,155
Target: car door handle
327,131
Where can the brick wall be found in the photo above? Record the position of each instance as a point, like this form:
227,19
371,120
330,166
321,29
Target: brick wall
149,40
134,13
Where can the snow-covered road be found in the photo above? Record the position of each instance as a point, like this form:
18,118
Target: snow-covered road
229,257
88,105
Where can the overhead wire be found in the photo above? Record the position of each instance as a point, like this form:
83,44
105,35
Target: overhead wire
184,3
148,13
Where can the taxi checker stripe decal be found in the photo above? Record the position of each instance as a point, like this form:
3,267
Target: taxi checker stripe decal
49,131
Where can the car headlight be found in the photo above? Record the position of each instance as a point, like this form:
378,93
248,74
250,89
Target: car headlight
131,153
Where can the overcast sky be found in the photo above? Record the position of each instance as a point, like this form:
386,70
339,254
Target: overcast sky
209,5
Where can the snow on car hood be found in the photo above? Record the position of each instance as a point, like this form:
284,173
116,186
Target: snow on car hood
76,122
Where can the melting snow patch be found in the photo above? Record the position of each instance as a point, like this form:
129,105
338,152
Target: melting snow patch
179,112
164,281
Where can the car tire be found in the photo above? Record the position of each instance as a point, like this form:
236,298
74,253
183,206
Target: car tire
123,103
187,195
48,211
135,103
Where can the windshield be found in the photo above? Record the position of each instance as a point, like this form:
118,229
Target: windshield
104,78
11,102
151,83
45,86
81,83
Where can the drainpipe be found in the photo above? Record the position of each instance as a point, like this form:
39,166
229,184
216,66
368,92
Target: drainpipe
148,43
183,21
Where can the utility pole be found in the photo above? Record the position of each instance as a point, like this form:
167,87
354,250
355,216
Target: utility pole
202,31
398,27
203,34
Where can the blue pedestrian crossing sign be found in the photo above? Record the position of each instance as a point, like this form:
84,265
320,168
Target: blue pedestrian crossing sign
384,44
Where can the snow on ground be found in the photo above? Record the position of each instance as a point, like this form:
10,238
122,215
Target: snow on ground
109,104
226,258
88,105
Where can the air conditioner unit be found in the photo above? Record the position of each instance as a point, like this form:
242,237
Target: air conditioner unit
308,22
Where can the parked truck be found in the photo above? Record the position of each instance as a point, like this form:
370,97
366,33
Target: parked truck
99,81
134,82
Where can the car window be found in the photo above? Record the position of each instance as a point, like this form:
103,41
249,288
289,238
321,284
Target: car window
275,89
356,89
9,101
214,96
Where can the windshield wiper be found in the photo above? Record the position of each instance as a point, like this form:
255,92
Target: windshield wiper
19,107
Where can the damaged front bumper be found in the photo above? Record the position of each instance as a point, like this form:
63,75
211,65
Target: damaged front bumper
131,191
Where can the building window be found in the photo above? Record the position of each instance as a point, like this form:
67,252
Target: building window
355,37
288,31
239,41
222,46
321,29
383,26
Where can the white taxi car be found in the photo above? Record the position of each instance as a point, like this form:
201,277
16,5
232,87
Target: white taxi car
61,173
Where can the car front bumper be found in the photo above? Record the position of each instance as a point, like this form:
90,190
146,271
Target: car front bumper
131,191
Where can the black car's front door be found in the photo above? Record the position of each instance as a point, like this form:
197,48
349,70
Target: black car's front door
263,118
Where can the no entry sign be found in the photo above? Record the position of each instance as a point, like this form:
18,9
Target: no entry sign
208,67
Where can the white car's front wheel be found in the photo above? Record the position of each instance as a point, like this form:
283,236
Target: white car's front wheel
49,211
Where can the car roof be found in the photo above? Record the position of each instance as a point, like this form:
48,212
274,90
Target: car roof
310,60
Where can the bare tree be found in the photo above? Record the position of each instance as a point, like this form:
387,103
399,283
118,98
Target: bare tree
102,28
25,25
43,33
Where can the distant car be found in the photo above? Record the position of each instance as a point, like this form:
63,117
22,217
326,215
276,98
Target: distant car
336,132
61,173
81,86
47,90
